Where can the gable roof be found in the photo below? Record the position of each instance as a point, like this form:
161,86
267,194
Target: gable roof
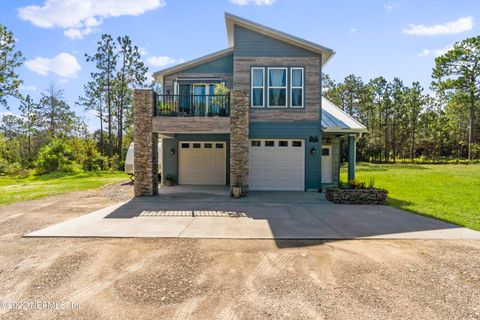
231,20
335,119
193,63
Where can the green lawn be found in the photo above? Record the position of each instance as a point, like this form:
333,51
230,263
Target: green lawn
448,192
14,189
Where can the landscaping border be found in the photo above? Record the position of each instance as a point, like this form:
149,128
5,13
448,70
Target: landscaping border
357,196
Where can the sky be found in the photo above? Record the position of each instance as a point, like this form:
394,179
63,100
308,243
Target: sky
370,37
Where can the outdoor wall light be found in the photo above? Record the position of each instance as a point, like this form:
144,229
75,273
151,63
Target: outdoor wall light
313,150
172,151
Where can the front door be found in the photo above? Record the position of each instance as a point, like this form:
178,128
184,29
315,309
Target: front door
327,164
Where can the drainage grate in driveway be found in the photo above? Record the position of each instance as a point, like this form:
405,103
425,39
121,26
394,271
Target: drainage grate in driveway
232,214
168,213
196,213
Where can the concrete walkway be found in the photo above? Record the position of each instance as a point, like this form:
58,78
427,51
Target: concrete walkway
208,212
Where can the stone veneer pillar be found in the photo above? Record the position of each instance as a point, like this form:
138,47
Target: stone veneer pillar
146,144
239,122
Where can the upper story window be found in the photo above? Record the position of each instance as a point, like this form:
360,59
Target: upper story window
277,87
296,87
258,87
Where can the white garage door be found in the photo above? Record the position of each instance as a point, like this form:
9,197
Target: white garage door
202,162
277,164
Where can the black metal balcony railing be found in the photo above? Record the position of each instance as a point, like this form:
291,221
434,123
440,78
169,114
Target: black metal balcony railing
192,105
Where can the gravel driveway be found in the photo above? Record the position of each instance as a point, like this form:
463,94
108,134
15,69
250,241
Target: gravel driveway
224,279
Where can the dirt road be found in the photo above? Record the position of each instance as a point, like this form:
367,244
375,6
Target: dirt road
224,279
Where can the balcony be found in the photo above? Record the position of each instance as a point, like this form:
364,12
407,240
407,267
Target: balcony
192,114
193,105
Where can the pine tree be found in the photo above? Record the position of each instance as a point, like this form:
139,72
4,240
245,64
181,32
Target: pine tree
10,59
131,74
459,70
105,60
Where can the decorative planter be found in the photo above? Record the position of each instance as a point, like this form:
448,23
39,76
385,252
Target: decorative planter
169,182
357,196
237,192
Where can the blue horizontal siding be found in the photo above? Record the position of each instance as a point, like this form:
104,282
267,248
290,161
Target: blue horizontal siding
221,65
169,161
295,130
249,43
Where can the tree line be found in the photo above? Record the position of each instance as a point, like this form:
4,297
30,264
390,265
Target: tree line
405,123
48,135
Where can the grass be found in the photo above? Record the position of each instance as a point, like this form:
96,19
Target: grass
447,192
13,189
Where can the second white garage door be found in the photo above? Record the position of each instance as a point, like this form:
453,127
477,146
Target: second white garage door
277,164
202,162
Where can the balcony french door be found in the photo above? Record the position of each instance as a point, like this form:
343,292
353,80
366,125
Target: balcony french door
203,100
193,100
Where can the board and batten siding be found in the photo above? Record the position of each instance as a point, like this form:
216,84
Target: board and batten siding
295,130
249,43
221,67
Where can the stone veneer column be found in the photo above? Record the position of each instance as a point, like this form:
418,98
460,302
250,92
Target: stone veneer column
146,144
239,121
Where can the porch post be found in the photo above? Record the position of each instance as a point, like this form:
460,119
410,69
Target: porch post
351,157
145,158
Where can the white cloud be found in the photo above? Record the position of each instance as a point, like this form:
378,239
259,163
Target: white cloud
74,33
81,17
64,65
435,52
26,87
255,2
353,30
163,61
143,51
391,6
452,27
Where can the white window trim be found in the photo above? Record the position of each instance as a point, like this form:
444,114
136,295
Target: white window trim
257,87
285,87
301,87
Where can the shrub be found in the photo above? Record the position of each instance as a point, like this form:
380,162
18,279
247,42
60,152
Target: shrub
92,160
7,168
113,163
56,156
371,183
356,184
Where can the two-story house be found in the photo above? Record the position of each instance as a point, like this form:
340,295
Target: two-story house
251,116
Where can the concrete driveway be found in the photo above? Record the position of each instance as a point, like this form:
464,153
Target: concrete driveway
208,212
